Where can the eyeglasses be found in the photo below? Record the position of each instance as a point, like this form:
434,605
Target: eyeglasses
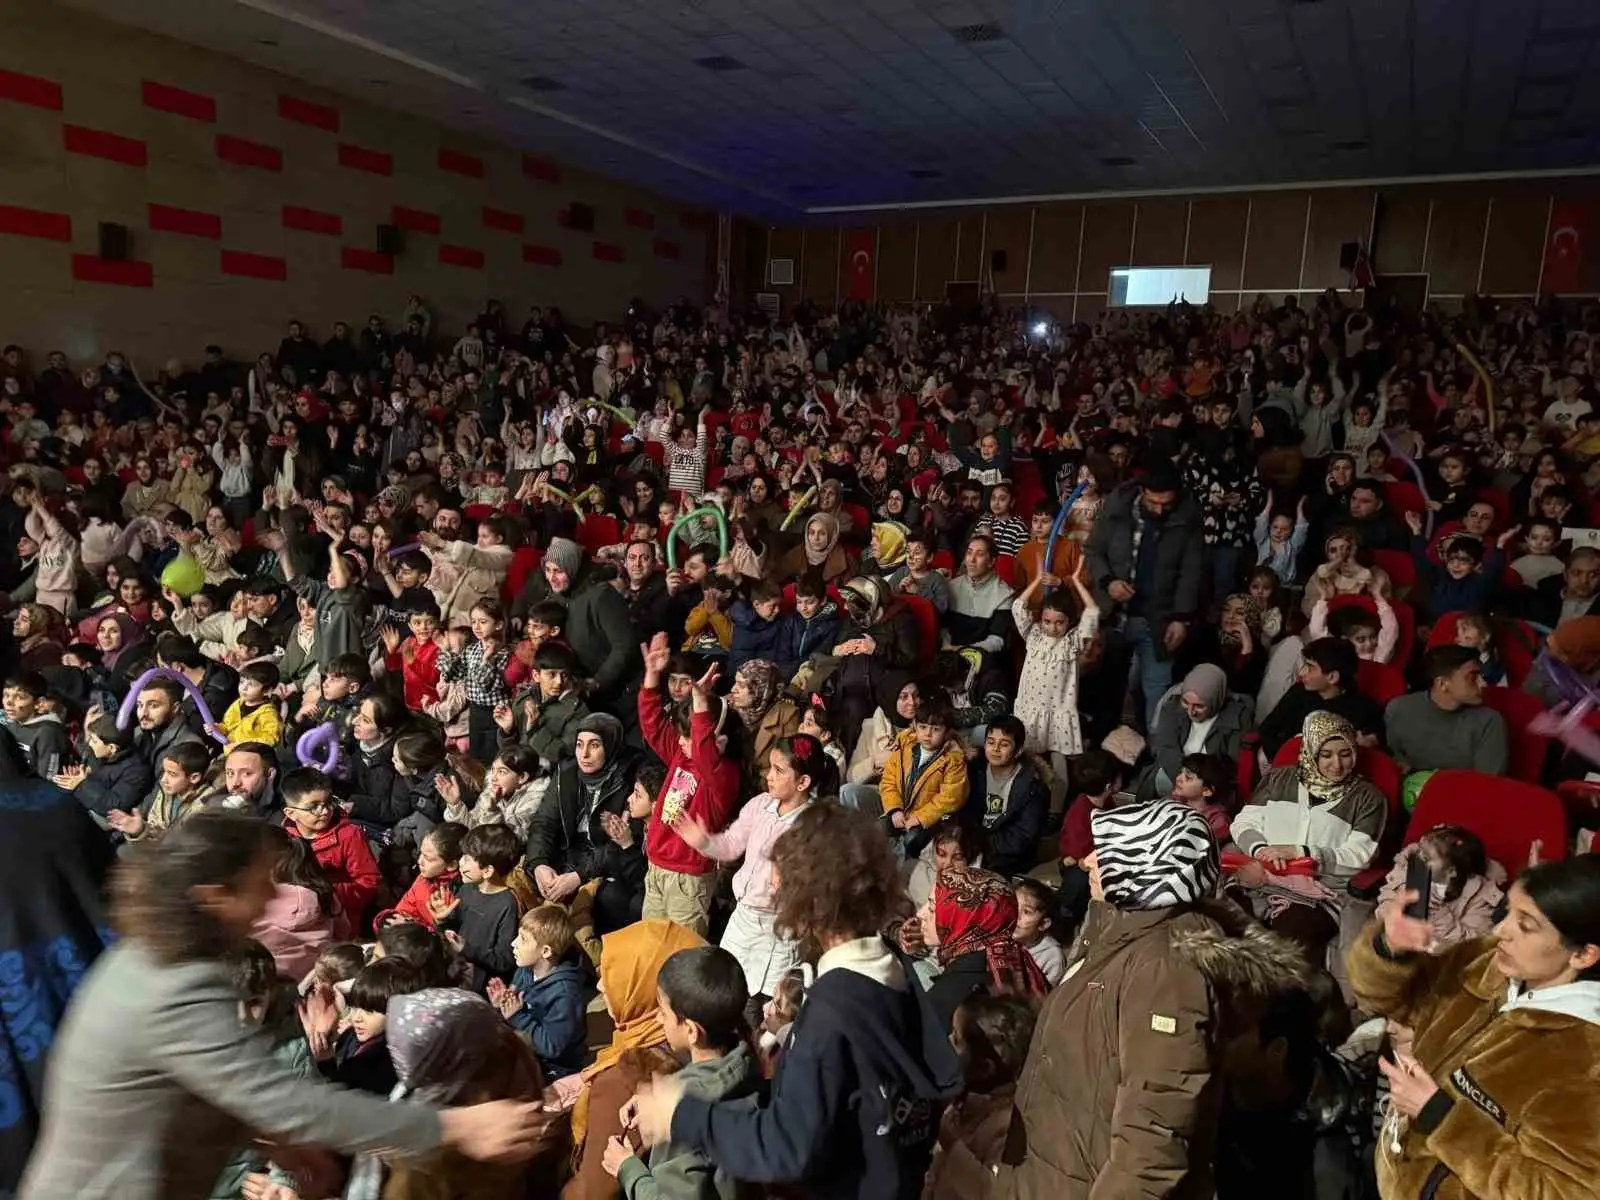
315,806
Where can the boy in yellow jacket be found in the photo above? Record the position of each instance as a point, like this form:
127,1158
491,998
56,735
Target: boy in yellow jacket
254,717
925,779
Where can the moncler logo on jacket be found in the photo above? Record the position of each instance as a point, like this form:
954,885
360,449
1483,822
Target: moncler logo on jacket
1468,1087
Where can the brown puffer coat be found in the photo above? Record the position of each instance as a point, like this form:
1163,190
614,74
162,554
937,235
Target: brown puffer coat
1117,1098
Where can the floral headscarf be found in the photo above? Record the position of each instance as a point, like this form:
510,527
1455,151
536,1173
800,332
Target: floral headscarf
1252,617
1321,728
977,910
762,681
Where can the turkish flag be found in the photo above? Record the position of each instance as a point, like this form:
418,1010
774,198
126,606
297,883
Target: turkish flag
859,260
1563,250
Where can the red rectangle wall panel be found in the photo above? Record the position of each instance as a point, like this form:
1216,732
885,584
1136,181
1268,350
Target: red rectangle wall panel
461,256
30,89
35,223
242,152
89,269
354,258
606,252
499,218
541,256
414,220
639,218
167,219
458,163
97,143
540,169
311,220
360,158
254,266
306,112
665,249
163,97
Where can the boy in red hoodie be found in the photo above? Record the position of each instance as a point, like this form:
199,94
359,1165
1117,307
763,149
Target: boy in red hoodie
340,847
416,659
702,781
437,873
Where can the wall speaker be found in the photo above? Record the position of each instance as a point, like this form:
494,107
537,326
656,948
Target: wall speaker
391,240
1348,253
115,244
580,217
997,261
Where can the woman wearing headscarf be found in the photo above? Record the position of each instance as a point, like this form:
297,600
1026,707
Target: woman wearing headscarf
38,631
975,920
630,960
900,504
1119,1095
123,650
1235,644
886,549
877,646
1319,809
766,713
819,550
582,834
1199,716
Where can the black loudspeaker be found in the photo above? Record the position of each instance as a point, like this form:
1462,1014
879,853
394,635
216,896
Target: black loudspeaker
114,242
580,217
391,240
1348,253
997,261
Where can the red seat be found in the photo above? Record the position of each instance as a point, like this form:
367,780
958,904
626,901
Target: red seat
1405,619
942,560
597,530
1381,682
1501,502
524,562
1384,773
1529,750
1398,565
715,419
1005,566
927,619
862,520
1507,814
478,512
1516,644
656,451
1404,498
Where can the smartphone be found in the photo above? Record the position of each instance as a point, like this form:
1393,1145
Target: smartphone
1419,879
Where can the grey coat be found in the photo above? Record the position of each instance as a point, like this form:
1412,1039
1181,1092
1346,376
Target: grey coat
155,1083
1180,556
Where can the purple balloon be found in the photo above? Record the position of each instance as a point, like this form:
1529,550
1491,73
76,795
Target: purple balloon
131,700
323,741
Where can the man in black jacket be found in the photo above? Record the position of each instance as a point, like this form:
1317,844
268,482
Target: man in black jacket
1006,797
1573,593
1146,558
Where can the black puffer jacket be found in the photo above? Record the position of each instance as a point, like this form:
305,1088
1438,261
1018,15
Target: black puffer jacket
377,792
563,840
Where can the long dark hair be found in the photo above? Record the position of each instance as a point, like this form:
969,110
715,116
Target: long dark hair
152,894
298,867
1567,892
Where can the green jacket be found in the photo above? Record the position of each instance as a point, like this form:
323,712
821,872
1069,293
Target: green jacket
554,729
676,1172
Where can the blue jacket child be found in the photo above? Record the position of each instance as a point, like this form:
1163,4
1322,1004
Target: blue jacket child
799,638
753,635
553,1017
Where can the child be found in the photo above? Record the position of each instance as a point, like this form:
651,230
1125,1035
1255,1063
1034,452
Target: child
1279,540
545,999
702,999
1268,591
549,712
336,699
708,629
1047,692
1202,784
438,873
816,722
812,628
116,777
1474,631
1376,466
686,461
1030,558
918,577
925,779
253,717
491,490
512,792
1099,777
481,919
339,845
1374,637
416,659
481,668
39,734
1467,889
1036,906
702,782
359,1057
1540,562
335,967
990,1035
757,625
798,772
180,791
1468,578
778,1013
56,537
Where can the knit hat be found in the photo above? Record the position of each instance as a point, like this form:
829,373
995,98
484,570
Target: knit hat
565,554
1154,855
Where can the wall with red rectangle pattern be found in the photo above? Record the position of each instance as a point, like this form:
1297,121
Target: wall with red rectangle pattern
251,197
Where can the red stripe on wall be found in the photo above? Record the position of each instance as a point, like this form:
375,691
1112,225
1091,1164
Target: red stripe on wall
639,218
359,158
311,220
254,266
541,256
97,143
607,252
166,219
163,97
353,258
458,163
242,152
416,221
665,249
30,89
499,218
89,269
461,256
541,169
306,112
35,223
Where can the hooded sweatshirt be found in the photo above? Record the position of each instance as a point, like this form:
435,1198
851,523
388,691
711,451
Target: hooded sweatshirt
675,1171
856,1108
44,743
294,929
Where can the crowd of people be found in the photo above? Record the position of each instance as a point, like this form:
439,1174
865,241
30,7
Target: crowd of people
898,751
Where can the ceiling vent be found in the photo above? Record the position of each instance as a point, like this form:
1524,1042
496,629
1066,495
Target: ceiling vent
719,62
1117,160
974,35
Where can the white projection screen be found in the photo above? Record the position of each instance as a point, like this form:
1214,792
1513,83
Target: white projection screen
1134,287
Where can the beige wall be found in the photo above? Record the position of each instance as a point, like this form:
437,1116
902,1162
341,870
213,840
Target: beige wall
1478,237
101,72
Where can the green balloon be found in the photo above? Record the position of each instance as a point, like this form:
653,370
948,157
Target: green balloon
184,575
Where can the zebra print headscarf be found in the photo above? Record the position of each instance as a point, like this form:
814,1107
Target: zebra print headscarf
1154,855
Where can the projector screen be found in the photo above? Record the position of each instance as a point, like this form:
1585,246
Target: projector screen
1144,286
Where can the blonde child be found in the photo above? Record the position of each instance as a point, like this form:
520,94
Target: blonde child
545,999
1047,693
